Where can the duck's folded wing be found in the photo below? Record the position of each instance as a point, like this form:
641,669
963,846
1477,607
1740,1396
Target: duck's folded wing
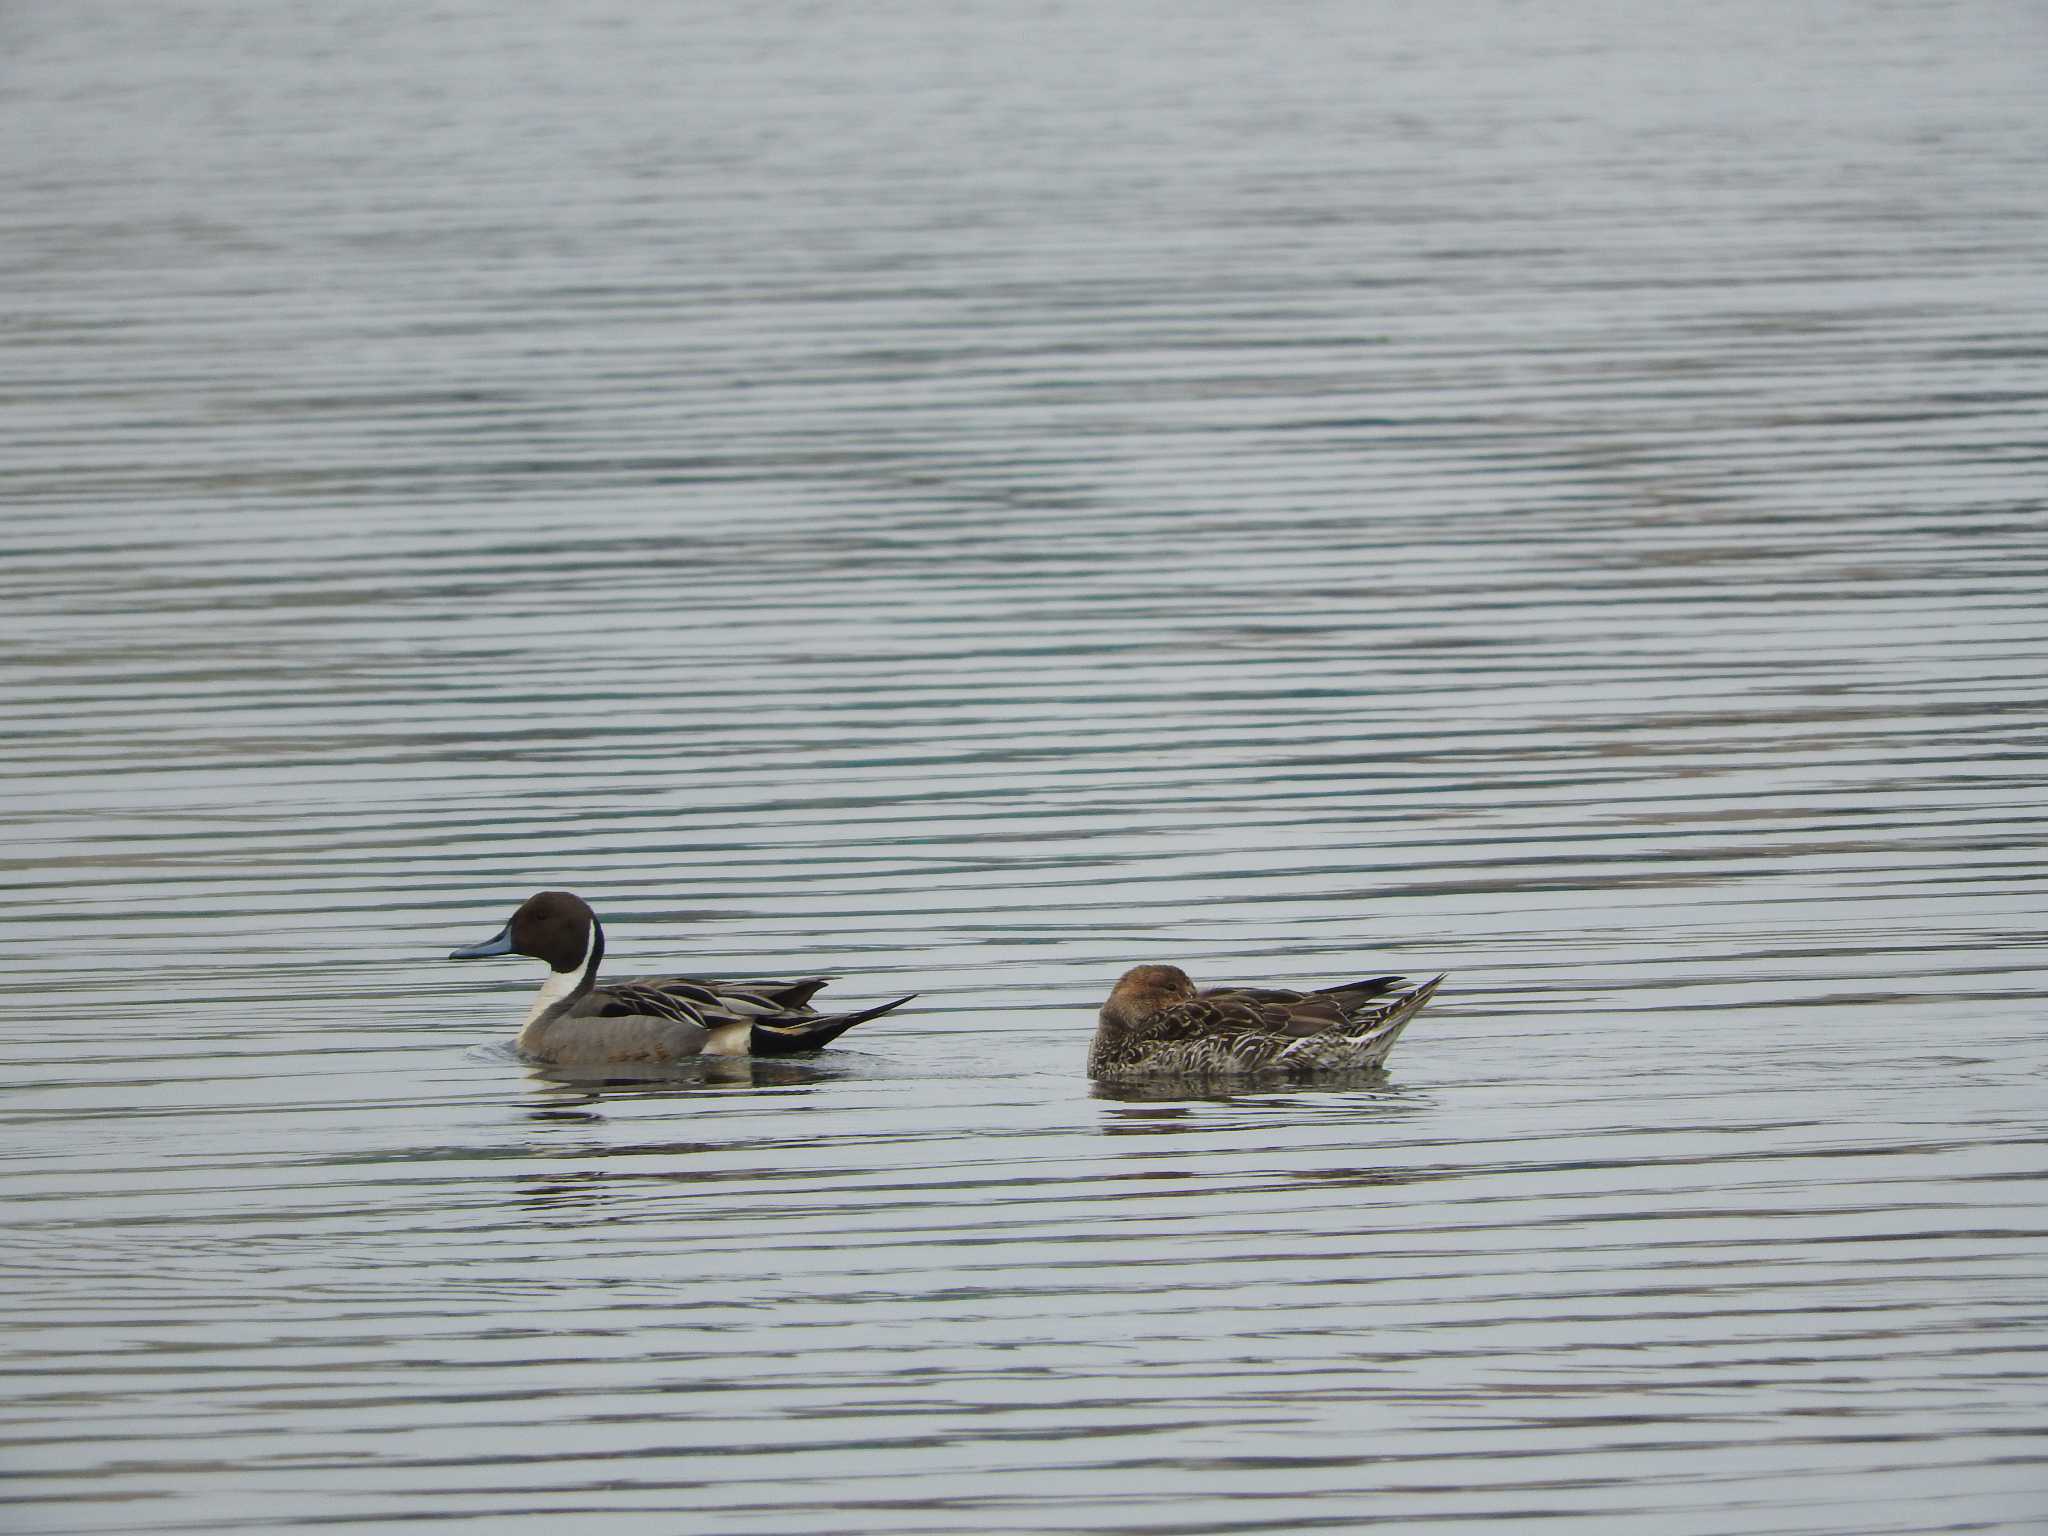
638,998
742,999
778,1017
1366,986
1252,994
781,996
1275,1009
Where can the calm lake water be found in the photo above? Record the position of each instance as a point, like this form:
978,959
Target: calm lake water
970,497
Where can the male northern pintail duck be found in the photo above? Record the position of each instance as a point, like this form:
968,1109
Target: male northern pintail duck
574,1021
1156,1024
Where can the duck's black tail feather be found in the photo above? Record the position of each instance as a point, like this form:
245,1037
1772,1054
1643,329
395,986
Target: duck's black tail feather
791,1037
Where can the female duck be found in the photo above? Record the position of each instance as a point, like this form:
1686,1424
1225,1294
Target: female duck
574,1021
1155,1024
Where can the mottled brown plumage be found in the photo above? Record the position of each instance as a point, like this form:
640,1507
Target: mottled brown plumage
1155,1023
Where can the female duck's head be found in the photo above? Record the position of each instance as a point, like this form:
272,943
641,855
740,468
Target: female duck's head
1145,990
554,926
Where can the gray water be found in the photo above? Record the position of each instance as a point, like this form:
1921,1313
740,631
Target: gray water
971,497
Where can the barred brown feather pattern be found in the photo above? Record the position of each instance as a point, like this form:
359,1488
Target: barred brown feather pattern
1226,1033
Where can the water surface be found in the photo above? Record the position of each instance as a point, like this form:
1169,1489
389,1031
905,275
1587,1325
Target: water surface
971,499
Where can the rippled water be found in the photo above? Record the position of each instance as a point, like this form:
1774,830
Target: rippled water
972,497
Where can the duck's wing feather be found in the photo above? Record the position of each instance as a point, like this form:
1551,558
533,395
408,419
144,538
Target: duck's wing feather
742,999
1277,1009
1307,1013
1367,1034
778,1014
640,999
1364,987
1250,1030
785,996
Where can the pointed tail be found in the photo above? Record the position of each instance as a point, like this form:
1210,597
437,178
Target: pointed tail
791,1037
1373,1031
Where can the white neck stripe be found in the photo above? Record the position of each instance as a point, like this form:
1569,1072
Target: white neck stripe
560,984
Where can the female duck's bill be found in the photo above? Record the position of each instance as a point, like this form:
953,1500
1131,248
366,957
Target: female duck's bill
574,1021
1155,1024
